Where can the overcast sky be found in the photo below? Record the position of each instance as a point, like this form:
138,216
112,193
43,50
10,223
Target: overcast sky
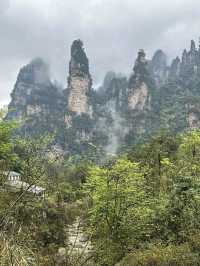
112,32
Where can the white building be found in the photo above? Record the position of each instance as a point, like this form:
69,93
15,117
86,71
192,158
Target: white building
14,181
12,176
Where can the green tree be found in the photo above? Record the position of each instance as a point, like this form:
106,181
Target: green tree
121,209
7,155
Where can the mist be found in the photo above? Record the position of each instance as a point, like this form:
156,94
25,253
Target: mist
112,32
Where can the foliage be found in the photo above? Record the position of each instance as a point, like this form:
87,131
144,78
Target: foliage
32,227
162,256
14,253
119,203
148,203
7,155
141,208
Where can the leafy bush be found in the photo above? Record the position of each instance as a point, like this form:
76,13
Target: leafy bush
162,256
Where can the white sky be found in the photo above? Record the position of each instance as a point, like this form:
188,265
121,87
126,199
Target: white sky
112,31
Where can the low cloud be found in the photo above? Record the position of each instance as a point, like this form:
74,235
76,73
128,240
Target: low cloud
112,31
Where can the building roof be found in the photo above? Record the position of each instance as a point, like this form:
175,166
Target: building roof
11,173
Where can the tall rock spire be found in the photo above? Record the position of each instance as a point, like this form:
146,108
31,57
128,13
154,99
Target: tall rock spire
140,67
79,81
138,97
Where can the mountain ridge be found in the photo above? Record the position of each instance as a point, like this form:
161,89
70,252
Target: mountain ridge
122,112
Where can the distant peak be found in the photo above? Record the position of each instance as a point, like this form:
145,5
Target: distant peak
159,54
193,46
159,59
37,71
38,61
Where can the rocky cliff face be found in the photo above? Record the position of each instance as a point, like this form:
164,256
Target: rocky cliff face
190,64
79,81
35,100
140,100
109,106
31,79
122,112
180,93
194,117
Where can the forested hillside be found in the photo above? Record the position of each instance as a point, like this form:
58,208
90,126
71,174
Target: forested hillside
138,208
